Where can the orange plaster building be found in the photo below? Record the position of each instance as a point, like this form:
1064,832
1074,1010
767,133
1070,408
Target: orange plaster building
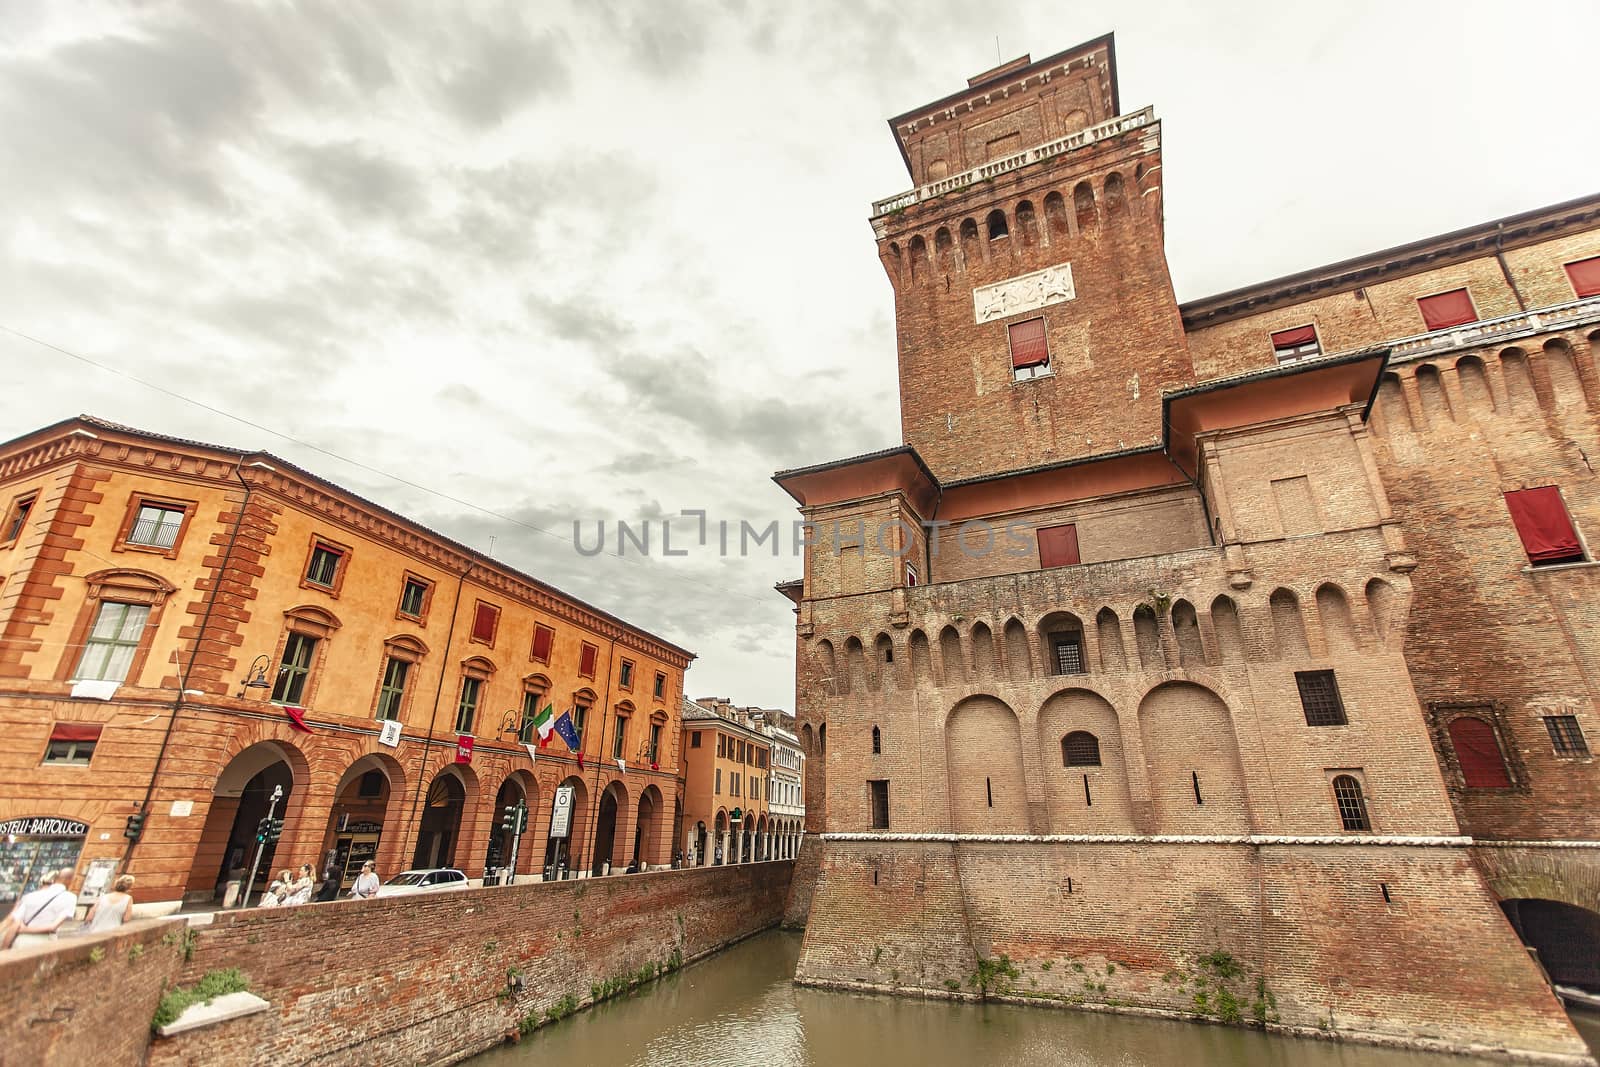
185,629
728,780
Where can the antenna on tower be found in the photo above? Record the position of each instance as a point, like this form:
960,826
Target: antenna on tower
490,553
997,58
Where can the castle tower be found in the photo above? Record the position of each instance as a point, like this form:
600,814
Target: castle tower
1034,309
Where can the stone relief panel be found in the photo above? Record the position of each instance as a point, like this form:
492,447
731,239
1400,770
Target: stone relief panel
1026,292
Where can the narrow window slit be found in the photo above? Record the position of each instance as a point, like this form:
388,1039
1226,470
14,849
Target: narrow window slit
1194,776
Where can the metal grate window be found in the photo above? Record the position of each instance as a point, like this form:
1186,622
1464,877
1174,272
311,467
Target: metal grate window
1319,697
1566,735
1080,749
156,526
1352,805
1069,656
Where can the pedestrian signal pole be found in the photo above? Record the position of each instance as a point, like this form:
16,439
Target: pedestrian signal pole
514,820
267,830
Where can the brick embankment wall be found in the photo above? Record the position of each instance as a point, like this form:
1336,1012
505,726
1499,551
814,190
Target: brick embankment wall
86,999
1298,936
423,980
804,882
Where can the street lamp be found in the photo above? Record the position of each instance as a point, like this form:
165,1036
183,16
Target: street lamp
256,676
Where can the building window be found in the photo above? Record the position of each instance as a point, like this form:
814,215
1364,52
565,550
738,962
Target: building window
661,685
156,525
580,716
718,789
694,739
1058,545
877,742
393,689
1546,530
617,739
325,566
625,674
1566,735
722,746
112,641
298,653
1352,805
1030,350
17,519
543,639
1068,655
414,597
1319,698
485,623
1585,276
467,708
734,780
878,795
532,697
1080,749
1288,346
655,742
911,575
1444,310
72,743
586,660
371,785
1478,754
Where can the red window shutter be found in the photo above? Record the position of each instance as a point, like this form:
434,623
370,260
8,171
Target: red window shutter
1478,754
1058,545
1294,338
586,662
1585,275
1443,310
1028,345
483,622
1542,523
543,638
76,731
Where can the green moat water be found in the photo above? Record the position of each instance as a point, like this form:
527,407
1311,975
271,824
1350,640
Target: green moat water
741,1008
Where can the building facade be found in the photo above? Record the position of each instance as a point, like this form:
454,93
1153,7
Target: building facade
187,630
1173,635
729,816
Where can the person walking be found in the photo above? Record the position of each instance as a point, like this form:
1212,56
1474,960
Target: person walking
329,890
301,888
278,891
111,910
366,882
39,914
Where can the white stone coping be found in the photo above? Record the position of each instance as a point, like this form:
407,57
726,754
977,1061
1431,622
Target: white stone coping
1480,843
1392,841
226,1007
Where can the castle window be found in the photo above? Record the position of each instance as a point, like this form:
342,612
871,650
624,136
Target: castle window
1352,805
1542,522
877,742
997,225
1296,344
911,574
878,794
1030,349
1058,545
1444,310
1080,748
1319,698
1585,276
1566,736
1068,655
1478,754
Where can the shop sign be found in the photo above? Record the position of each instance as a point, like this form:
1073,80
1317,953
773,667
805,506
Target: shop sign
43,827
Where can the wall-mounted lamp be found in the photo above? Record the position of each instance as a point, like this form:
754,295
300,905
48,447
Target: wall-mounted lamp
256,676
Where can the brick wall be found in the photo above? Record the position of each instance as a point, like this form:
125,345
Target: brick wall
88,999
1124,926
420,979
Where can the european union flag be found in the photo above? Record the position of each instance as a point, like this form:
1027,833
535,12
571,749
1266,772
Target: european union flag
568,732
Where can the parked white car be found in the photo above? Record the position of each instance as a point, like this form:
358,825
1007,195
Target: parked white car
432,880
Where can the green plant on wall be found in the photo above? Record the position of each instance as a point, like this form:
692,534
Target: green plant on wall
209,988
994,976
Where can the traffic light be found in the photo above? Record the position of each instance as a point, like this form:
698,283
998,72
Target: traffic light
135,828
508,818
274,829
263,828
522,822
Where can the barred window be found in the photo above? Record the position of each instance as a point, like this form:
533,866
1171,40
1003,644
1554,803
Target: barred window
1069,656
156,526
1566,735
1080,749
1319,698
1352,805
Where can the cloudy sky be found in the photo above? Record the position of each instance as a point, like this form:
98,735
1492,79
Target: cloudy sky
501,267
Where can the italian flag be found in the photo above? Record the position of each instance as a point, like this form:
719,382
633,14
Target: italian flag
545,723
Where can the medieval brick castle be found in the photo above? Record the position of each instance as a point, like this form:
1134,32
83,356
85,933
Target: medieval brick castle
1233,658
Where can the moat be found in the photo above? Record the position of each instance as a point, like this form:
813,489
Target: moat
741,1007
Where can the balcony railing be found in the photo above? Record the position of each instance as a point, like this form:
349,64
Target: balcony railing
996,167
1495,331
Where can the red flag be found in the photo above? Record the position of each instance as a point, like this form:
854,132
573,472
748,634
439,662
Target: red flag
580,761
464,748
297,718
